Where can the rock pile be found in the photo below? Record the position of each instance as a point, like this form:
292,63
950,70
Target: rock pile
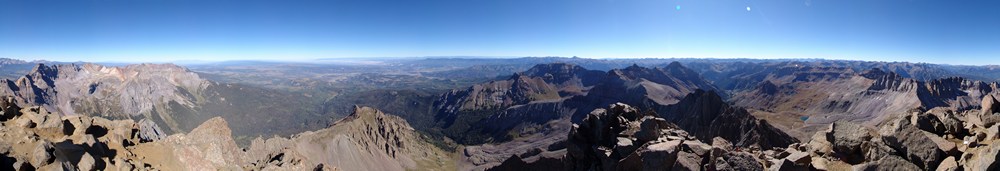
938,139
623,138
34,138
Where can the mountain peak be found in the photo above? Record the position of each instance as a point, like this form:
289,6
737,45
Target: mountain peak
674,64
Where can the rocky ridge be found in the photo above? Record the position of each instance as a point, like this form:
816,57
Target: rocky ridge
937,139
33,138
621,137
869,98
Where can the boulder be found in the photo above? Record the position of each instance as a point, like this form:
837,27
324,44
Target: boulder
624,146
819,144
946,146
149,131
949,164
987,114
42,154
800,158
8,109
660,156
916,147
989,105
928,122
87,162
846,139
649,130
722,143
741,161
786,165
687,161
985,159
888,163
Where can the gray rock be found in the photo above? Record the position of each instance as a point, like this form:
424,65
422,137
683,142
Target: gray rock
928,122
847,139
625,146
722,143
742,161
687,161
798,157
649,129
786,165
916,147
887,163
149,131
660,156
946,146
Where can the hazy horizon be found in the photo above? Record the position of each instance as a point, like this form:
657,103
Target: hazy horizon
943,32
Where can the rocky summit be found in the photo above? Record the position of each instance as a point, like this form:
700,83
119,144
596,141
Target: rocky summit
35,139
622,137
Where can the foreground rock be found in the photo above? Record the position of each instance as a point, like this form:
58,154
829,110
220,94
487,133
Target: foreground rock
623,138
33,138
937,139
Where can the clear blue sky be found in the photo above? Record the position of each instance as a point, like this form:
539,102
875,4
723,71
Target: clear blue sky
937,31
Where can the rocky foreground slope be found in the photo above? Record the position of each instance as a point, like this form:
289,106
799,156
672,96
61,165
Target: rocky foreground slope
33,138
623,138
806,99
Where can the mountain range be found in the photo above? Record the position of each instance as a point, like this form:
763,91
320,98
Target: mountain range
502,114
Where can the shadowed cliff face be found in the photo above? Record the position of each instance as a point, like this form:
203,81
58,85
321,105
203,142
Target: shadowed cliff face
705,115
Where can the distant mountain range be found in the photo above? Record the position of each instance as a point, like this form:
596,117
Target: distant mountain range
495,113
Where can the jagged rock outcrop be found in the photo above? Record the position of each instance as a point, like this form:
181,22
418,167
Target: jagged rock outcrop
621,137
936,139
34,138
458,110
705,115
365,140
870,97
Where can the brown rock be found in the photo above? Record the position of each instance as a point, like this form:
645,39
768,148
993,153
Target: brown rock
42,154
949,164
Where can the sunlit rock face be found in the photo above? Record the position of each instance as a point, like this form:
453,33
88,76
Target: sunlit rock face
90,89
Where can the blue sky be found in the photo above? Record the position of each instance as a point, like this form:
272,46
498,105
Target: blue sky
936,31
